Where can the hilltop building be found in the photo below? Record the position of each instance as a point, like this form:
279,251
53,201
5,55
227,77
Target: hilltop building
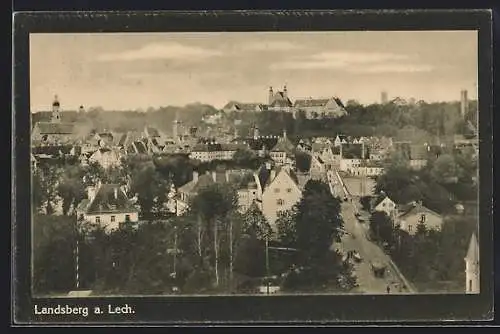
54,131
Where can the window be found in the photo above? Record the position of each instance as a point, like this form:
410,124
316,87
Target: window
113,219
410,228
97,219
127,218
422,218
276,190
289,190
280,202
470,285
383,204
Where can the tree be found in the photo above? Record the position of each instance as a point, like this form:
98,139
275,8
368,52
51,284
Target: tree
255,224
445,170
302,161
381,226
244,158
151,188
45,183
365,202
71,188
286,228
53,250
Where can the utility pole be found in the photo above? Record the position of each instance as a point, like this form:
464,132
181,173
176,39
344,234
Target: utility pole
267,264
216,248
231,254
175,252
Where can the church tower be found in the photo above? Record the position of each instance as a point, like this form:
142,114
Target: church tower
56,111
472,272
271,96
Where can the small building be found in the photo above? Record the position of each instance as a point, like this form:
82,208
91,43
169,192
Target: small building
409,219
320,108
283,150
55,131
472,268
385,204
107,205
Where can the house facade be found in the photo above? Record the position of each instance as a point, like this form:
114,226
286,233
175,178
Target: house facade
385,204
320,108
280,192
417,213
107,205
106,157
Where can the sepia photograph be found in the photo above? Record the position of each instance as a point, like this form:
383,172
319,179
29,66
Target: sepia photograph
254,163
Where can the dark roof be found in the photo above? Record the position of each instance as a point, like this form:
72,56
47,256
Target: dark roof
280,100
106,202
284,145
417,209
52,149
55,128
310,103
122,140
256,144
141,147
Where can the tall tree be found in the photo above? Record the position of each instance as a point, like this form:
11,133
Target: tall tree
255,224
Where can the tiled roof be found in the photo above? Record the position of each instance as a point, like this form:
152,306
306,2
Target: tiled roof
106,202
417,209
55,128
280,100
284,145
310,103
141,147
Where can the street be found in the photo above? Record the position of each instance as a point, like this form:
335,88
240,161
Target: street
355,239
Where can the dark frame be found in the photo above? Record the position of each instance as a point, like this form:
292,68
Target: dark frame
300,309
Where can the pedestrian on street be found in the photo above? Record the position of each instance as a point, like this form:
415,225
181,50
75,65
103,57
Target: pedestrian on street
388,289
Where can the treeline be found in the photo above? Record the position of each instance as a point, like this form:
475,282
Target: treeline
211,249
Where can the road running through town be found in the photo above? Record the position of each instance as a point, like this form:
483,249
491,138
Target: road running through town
355,239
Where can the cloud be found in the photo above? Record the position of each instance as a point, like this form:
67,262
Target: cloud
395,68
161,51
271,46
359,62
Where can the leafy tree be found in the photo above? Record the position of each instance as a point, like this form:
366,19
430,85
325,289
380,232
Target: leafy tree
365,202
286,228
151,188
381,226
45,183
71,188
302,161
445,170
53,250
255,224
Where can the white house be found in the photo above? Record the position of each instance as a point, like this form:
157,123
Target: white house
280,191
385,204
417,213
317,169
107,205
472,269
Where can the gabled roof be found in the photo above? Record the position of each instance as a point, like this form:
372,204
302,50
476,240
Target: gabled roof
47,128
473,251
141,147
418,209
304,103
284,145
280,100
106,202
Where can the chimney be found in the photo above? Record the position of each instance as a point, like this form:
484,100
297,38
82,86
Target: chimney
464,103
195,176
270,98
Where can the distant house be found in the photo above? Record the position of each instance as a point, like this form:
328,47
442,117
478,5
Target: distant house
409,219
472,267
107,205
385,204
244,107
339,140
215,151
106,157
283,150
418,156
320,108
317,170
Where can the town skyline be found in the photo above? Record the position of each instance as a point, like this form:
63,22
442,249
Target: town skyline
140,71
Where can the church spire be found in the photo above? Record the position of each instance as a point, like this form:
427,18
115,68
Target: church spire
56,112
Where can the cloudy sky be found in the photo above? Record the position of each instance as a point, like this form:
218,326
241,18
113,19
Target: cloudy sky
130,71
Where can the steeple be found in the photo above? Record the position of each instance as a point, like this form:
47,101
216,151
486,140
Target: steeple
472,271
285,92
271,95
56,114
